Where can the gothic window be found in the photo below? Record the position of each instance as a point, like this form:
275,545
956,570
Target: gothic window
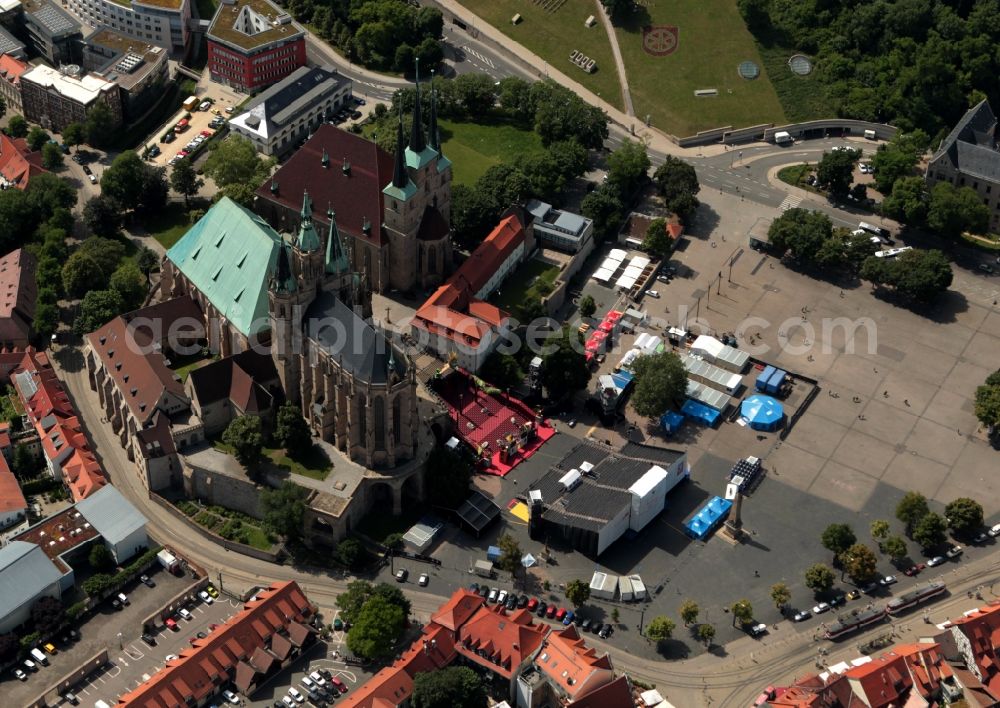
362,422
396,419
379,423
432,266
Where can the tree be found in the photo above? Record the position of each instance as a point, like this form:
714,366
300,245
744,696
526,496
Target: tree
837,538
660,381
97,308
378,627
291,430
615,615
911,509
564,369
245,435
74,134
801,233
660,629
706,633
587,306
353,599
102,216
677,183
880,529
100,558
284,508
447,688
476,93
130,283
235,161
37,137
135,184
955,210
893,164
964,515
819,577
147,260
908,201
448,477
184,180
46,319
657,240
394,541
894,547
617,8
689,611
627,168
17,127
47,614
987,401
350,552
91,264
510,553
52,156
501,370
605,209
3,107
26,463
577,592
742,611
921,274
562,115
930,531
100,125
780,594
860,563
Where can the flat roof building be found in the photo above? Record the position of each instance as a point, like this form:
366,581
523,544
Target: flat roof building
277,119
51,31
119,523
26,574
54,98
10,45
160,22
253,44
139,67
562,230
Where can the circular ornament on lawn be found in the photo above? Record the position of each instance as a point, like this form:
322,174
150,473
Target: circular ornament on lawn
748,70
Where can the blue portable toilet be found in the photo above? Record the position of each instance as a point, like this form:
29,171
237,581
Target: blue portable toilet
493,553
763,377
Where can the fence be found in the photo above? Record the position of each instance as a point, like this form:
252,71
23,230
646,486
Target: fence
269,556
71,679
765,131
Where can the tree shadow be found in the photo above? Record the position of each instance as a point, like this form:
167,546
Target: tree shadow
704,223
634,20
673,649
70,358
718,650
944,310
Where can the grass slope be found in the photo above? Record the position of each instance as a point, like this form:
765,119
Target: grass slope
475,147
713,42
553,36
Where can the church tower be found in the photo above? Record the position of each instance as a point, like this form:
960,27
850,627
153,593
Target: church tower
418,205
282,309
307,252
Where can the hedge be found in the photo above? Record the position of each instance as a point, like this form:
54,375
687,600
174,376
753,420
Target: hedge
100,583
74,611
40,486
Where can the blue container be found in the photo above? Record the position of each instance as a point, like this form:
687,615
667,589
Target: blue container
763,377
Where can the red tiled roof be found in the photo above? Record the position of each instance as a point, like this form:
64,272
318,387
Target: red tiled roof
18,293
882,681
189,678
459,608
11,497
11,68
500,641
126,348
453,311
354,194
57,425
573,666
615,694
18,164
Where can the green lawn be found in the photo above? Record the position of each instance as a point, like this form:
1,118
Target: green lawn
802,97
312,463
475,147
534,278
713,40
795,174
169,224
183,366
229,524
555,35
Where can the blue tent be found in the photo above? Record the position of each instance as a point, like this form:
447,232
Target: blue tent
700,413
671,422
762,412
708,517
493,553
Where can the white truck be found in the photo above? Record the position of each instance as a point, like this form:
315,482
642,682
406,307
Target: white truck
783,138
168,560
484,569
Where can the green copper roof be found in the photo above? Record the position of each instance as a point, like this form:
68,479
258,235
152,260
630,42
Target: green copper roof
308,238
416,160
400,193
229,255
336,256
443,163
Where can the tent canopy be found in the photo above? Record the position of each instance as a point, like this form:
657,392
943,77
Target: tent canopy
762,412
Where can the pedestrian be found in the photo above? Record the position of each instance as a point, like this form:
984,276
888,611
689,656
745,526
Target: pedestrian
885,394
906,401
756,574
841,294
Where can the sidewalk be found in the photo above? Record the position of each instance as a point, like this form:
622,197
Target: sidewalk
617,53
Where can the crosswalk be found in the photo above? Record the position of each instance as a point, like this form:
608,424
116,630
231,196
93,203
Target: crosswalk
484,59
790,202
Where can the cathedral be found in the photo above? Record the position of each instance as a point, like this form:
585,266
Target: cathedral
307,299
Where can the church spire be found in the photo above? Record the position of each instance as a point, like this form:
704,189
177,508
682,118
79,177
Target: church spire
283,282
308,238
432,130
418,141
336,256
399,177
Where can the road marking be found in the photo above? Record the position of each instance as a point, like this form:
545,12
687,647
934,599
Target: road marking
479,56
790,202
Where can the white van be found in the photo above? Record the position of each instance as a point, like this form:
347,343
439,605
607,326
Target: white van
783,138
39,656
869,135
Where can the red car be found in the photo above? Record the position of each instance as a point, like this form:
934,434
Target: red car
551,612
532,604
171,624
182,153
206,133
560,614
341,686
915,569
192,640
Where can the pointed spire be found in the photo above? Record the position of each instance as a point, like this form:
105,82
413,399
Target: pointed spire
306,213
399,177
308,238
326,158
283,281
336,256
274,186
432,129
418,140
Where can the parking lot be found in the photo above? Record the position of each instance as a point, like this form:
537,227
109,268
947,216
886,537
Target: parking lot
323,656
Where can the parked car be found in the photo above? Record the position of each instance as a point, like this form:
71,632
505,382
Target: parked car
541,609
287,702
308,683
995,531
149,639
568,619
853,594
401,575
30,665
146,580
560,614
982,537
532,604
492,597
423,580
205,597
653,294
838,600
986,268
758,630
914,569
71,698
231,697
887,580
936,560
821,608
21,676
522,602
586,624
172,624
955,551
802,616
317,678
551,611
294,693
606,631
210,589
502,597
511,603
185,614
870,588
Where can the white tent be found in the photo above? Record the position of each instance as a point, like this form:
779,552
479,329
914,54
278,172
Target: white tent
618,254
603,275
651,698
639,261
528,560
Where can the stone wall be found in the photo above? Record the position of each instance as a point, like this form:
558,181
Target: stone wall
214,487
